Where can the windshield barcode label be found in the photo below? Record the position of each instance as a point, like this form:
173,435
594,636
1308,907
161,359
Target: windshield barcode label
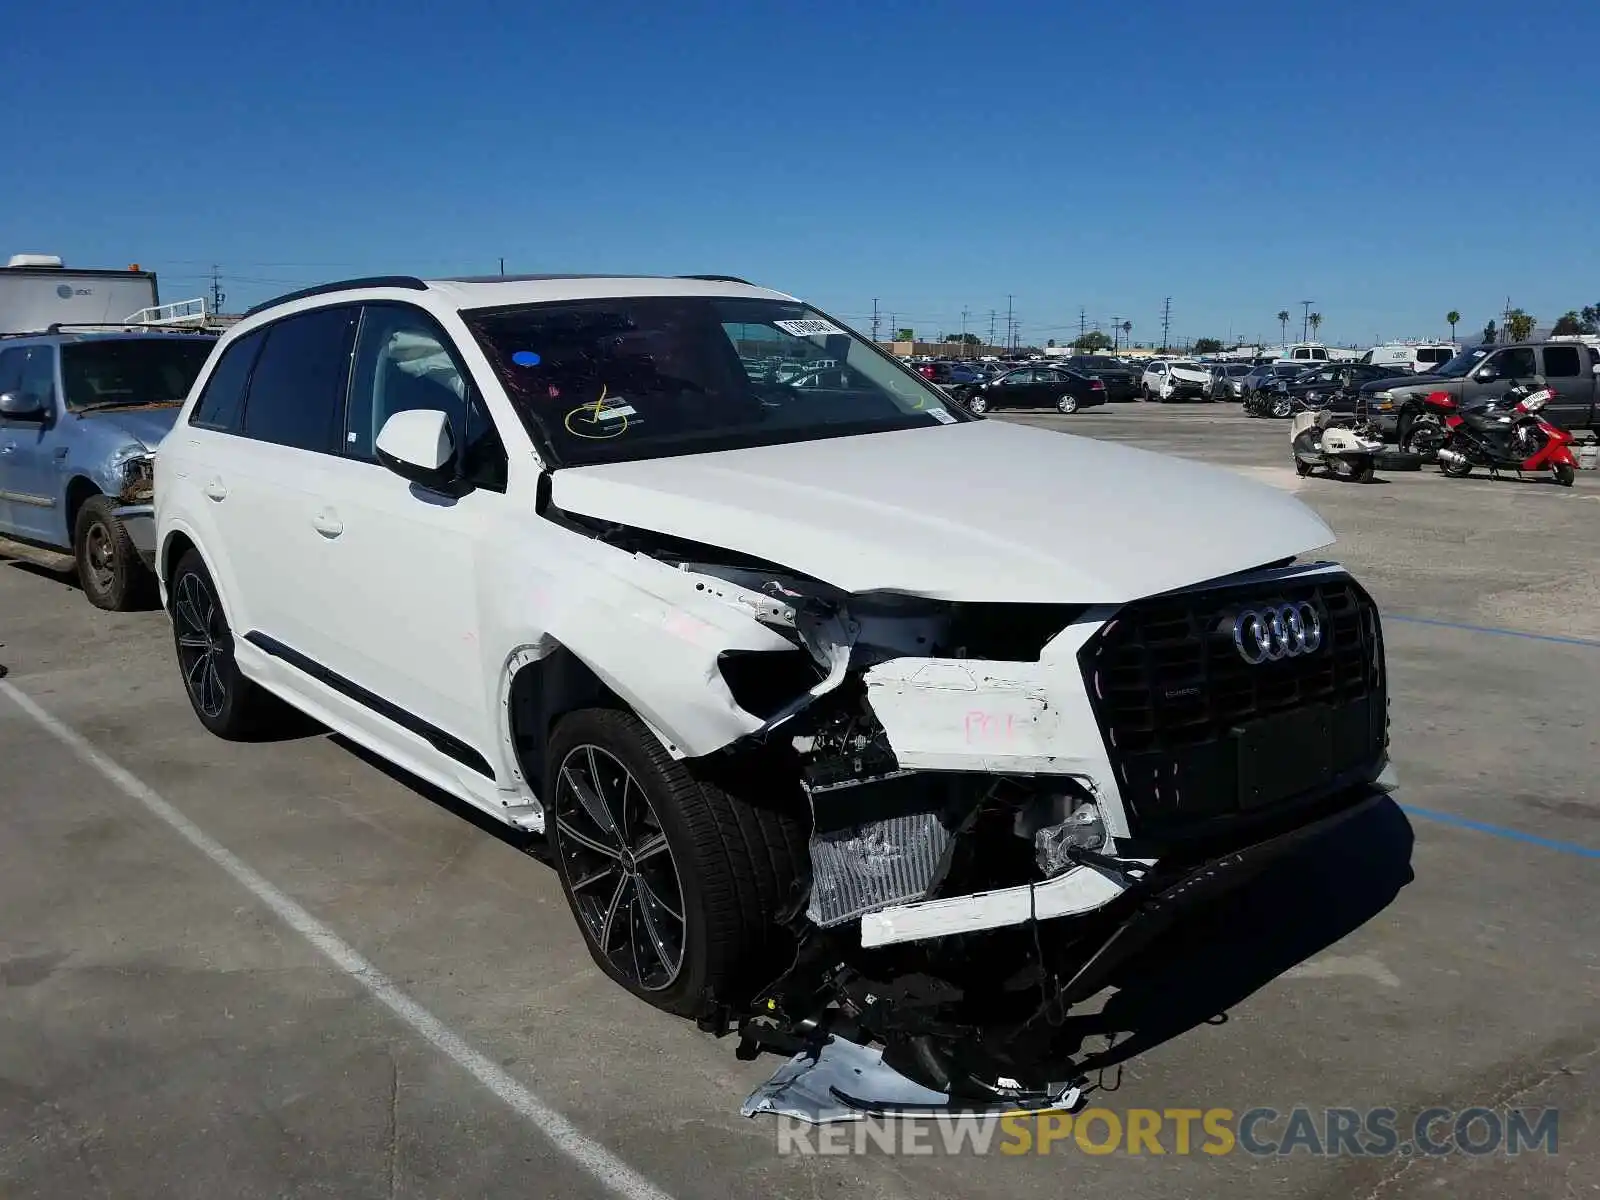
807,328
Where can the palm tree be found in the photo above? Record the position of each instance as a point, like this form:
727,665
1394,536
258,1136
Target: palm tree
1451,318
1315,321
1519,325
1127,328
1283,324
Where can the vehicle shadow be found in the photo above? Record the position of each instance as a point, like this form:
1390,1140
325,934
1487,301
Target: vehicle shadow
531,844
67,579
1219,955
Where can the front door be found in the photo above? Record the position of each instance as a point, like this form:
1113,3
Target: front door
29,476
395,585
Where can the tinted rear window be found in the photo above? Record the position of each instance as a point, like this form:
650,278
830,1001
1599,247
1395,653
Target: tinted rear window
297,391
1561,362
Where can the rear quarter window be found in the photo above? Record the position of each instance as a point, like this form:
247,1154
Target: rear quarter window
222,400
297,390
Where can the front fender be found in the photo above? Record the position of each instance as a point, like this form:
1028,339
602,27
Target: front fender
652,634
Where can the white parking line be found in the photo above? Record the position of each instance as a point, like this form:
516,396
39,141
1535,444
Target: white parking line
587,1153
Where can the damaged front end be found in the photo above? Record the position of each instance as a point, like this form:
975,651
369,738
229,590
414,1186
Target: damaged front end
1007,801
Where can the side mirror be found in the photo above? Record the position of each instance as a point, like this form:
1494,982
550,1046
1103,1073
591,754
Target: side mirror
417,445
1486,375
19,407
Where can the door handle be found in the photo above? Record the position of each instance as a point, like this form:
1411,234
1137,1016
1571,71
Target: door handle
216,491
327,524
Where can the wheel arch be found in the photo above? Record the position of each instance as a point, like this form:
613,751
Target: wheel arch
544,684
80,490
174,546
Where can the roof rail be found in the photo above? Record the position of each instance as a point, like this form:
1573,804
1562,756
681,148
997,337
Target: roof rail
410,282
719,279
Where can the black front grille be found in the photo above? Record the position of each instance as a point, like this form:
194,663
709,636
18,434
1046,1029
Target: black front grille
1172,693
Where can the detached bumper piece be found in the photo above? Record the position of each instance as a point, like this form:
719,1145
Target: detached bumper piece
843,1081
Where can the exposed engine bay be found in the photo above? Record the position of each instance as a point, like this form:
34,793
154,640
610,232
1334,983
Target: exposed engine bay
962,802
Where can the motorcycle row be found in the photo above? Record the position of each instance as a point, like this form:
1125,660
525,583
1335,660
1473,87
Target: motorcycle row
1500,433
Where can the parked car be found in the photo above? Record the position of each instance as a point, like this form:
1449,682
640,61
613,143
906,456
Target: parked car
1174,380
1036,387
951,374
1334,386
1121,383
1227,380
80,417
737,649
1570,368
1258,377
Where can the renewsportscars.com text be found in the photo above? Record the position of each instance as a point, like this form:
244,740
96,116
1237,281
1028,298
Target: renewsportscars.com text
1260,1132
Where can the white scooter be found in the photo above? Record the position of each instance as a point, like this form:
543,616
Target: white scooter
1317,443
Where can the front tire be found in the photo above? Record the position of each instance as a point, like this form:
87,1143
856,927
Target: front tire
1281,407
227,704
1455,470
978,405
1067,404
676,881
113,575
1564,473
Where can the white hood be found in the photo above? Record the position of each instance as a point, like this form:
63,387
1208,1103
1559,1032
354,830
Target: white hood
1192,374
978,511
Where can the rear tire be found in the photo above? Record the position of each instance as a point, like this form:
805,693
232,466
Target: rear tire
735,861
1067,404
113,575
227,704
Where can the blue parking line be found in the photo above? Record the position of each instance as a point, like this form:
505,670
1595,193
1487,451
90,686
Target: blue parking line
1537,637
1515,835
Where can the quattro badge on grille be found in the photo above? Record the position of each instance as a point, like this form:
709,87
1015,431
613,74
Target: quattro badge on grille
1283,631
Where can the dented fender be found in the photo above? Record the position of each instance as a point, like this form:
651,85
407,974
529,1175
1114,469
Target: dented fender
652,633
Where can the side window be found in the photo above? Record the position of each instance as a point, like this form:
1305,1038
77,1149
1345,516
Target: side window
1516,364
11,368
296,395
404,361
1561,362
223,399
37,378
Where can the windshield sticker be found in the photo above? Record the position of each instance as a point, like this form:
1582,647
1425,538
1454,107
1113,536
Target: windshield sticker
939,415
525,358
607,417
808,328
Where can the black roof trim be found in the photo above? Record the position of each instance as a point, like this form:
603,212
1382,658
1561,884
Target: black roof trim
409,282
535,278
719,279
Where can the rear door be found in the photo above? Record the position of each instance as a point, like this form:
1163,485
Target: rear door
269,486
1566,370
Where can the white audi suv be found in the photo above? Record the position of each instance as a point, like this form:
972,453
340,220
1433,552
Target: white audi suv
847,714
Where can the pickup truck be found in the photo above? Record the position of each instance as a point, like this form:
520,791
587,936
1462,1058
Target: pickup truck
80,417
1571,369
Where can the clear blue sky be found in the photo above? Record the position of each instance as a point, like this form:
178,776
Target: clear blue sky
1390,161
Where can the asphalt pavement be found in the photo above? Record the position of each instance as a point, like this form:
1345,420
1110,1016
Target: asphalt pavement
281,969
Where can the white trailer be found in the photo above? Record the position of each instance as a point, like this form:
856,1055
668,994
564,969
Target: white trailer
37,291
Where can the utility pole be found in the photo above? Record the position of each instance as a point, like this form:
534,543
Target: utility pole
1010,332
217,294
991,329
965,353
1083,324
502,266
1166,321
1305,318
1116,334
874,320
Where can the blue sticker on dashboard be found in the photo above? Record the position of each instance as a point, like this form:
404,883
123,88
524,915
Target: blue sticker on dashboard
525,358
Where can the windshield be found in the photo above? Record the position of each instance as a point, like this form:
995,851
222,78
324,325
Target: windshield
106,372
645,376
1462,363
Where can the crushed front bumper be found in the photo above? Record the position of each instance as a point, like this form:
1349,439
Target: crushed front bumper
139,522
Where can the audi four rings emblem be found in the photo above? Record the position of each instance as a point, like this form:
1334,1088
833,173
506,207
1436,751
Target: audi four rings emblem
1283,631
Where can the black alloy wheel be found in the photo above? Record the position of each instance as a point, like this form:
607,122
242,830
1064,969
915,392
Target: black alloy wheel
619,869
204,643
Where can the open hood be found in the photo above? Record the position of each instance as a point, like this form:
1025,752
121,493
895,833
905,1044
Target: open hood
980,511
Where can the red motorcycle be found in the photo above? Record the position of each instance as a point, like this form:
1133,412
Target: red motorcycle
1503,433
